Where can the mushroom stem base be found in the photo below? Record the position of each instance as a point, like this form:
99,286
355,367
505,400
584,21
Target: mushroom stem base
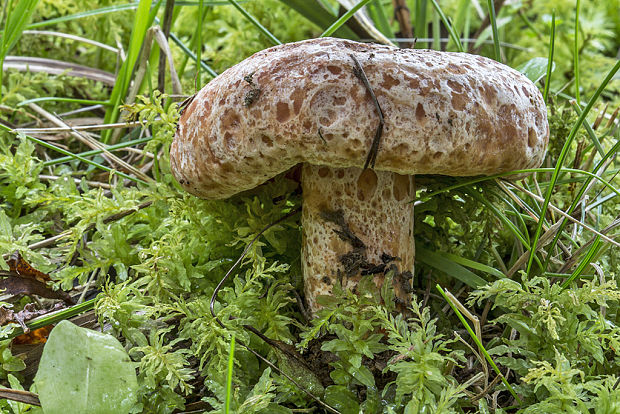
353,221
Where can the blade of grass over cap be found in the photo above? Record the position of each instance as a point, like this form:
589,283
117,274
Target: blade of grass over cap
562,157
550,60
492,19
478,343
343,19
451,30
256,23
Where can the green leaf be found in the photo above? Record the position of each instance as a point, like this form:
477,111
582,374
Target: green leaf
86,369
446,264
343,400
535,68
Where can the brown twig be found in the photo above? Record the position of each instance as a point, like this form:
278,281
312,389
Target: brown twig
25,397
403,16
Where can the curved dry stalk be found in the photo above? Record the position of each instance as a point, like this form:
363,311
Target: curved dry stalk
57,67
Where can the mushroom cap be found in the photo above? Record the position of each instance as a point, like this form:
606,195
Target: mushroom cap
445,113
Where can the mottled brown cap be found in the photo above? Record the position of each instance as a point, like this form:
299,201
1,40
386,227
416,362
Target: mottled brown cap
445,113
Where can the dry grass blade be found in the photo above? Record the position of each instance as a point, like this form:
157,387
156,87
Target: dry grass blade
56,67
97,127
567,216
403,16
92,143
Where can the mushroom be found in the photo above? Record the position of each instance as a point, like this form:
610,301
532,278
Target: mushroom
445,113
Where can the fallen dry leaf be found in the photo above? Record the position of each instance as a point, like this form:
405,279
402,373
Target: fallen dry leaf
23,279
20,266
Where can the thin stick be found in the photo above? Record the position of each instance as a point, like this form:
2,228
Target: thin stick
20,396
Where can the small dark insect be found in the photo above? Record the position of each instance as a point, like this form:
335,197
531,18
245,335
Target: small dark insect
251,96
254,93
248,78
437,116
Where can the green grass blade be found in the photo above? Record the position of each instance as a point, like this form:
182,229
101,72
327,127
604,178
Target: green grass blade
110,9
256,23
436,31
343,19
114,147
589,130
478,343
192,56
56,317
95,12
550,59
446,22
576,54
585,262
562,157
319,14
466,263
420,22
199,45
229,375
492,18
579,195
377,14
445,263
143,19
476,180
17,16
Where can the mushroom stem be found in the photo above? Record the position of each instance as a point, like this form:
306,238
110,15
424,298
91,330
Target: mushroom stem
353,222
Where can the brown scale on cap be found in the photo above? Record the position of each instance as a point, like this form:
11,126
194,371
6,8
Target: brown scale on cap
445,113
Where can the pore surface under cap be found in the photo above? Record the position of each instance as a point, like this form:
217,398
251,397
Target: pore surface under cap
445,113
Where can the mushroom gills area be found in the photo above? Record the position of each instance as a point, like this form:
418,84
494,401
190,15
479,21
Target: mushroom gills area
356,222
